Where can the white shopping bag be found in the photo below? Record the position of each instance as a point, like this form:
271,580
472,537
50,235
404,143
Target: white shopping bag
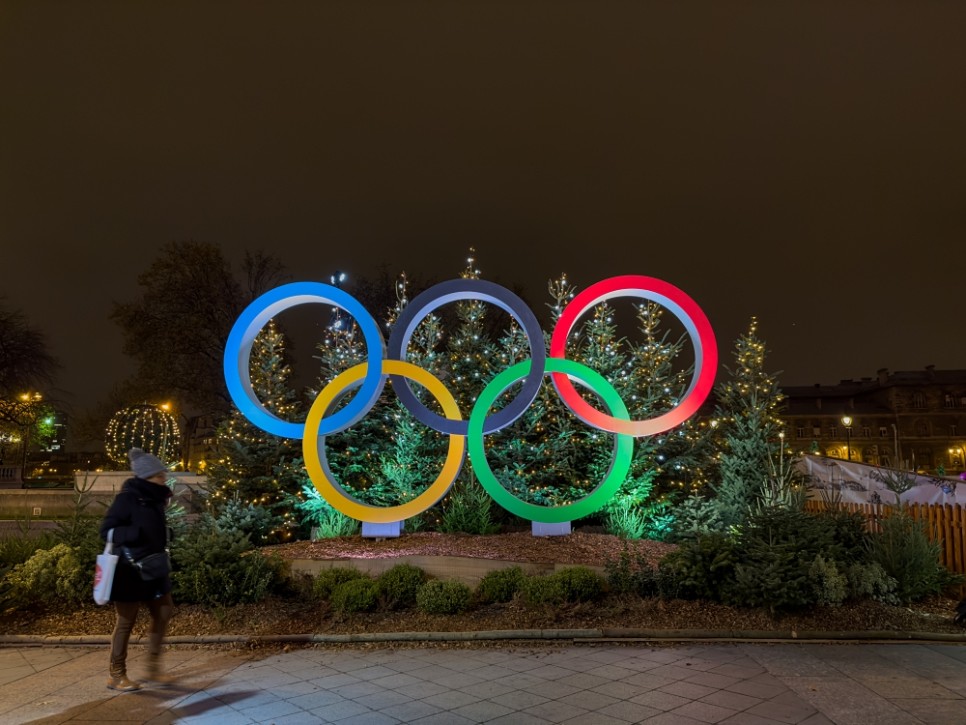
104,573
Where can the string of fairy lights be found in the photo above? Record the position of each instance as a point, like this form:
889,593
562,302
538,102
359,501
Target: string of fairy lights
144,426
549,456
255,468
644,374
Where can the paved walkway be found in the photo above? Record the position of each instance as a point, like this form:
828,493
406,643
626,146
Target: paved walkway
739,684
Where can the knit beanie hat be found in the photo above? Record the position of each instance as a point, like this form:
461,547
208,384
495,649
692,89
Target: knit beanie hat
144,464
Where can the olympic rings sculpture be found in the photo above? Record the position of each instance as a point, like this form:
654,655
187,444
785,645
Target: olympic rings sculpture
368,379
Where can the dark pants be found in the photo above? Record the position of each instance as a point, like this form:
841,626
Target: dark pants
127,612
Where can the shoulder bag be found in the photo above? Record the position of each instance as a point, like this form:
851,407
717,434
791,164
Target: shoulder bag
152,566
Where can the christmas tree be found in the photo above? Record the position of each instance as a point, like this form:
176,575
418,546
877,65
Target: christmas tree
465,363
540,458
651,382
581,455
548,456
749,428
526,455
676,456
353,454
253,466
417,452
469,365
387,457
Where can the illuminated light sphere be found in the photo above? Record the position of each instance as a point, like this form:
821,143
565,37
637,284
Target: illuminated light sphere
143,426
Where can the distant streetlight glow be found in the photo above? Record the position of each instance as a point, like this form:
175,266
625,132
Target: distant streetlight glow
961,453
847,422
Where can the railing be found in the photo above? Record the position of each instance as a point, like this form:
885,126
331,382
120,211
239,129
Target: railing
944,522
10,474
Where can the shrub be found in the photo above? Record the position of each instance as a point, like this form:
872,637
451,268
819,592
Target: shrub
580,583
83,535
789,559
398,586
81,530
297,585
177,517
333,524
545,589
568,585
469,511
627,577
500,585
325,521
659,521
17,549
329,579
54,575
700,568
355,595
626,519
905,553
797,530
849,534
830,585
869,579
773,574
695,516
256,521
443,597
216,567
781,558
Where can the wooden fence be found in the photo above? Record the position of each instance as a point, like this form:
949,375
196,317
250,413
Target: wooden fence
944,522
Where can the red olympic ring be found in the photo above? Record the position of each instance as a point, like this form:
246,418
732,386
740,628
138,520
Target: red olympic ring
684,308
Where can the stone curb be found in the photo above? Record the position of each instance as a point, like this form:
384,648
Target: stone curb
574,635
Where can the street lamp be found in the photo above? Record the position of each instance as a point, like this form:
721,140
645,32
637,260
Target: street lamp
847,422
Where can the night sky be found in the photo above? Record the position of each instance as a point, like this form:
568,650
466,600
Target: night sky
802,162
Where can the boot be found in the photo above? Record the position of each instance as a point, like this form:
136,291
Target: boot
155,672
119,681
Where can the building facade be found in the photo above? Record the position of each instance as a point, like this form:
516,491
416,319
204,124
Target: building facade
913,420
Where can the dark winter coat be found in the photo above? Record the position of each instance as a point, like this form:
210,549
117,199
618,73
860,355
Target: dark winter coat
139,523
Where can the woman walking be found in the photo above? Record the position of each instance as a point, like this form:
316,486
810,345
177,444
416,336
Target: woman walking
137,525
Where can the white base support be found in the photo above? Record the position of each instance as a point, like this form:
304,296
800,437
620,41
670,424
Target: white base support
381,531
542,529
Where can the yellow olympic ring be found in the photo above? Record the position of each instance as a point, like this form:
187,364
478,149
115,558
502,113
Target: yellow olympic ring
313,446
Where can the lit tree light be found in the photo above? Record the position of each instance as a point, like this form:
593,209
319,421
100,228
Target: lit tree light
148,427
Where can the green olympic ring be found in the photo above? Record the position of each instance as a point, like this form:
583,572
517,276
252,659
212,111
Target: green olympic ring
619,467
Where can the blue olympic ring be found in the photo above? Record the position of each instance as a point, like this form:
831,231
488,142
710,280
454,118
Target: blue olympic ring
246,328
